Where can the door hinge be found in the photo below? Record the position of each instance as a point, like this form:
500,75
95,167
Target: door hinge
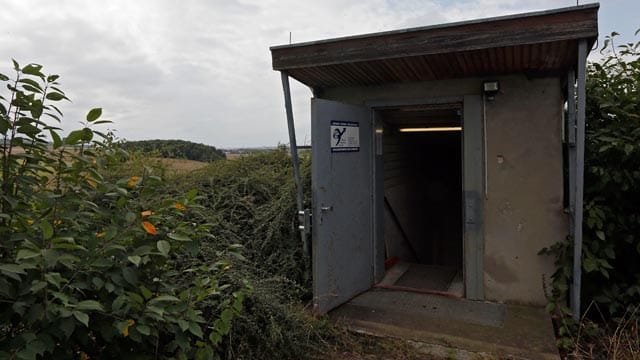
304,219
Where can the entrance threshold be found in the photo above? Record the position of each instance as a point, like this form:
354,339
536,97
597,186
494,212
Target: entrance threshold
423,279
501,330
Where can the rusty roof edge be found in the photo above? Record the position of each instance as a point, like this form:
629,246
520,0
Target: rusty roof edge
595,5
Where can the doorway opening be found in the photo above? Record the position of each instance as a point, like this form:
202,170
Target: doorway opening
423,198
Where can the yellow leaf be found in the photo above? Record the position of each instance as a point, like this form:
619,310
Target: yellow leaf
227,267
133,180
125,330
179,206
100,235
58,222
92,183
146,213
149,228
30,222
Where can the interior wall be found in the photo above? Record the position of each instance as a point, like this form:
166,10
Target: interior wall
523,209
399,241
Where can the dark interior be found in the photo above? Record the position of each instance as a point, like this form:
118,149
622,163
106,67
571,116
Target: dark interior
423,187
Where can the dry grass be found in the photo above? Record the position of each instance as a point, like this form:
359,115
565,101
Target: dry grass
356,346
180,165
235,156
603,342
17,150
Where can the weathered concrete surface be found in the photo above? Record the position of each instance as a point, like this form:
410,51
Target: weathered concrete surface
523,209
524,332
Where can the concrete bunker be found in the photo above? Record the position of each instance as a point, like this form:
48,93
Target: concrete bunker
444,158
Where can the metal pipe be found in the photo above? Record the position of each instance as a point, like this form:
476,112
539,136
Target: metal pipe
293,147
485,154
579,185
571,157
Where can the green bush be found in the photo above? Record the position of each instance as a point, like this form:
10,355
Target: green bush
611,243
612,180
93,268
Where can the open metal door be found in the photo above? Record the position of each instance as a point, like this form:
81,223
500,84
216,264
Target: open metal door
342,231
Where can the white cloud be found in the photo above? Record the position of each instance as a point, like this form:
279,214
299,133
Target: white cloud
201,70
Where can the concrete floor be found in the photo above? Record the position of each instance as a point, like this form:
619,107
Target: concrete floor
482,328
423,278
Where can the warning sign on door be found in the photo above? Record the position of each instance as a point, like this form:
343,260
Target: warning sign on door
345,136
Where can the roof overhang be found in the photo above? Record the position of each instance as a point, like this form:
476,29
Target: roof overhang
537,42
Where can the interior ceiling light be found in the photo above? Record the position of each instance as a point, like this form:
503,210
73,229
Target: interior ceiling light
426,129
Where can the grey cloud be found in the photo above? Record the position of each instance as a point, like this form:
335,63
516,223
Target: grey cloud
201,70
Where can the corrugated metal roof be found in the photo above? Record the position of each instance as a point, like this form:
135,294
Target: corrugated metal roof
539,42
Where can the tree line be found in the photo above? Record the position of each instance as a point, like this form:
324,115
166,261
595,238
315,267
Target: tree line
180,149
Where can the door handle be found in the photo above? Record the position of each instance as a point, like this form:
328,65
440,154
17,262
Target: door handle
324,209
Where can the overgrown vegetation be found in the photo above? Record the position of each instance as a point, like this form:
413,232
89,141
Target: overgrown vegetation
611,244
103,259
92,268
176,149
100,258
251,201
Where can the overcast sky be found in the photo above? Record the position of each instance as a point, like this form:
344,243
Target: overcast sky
200,70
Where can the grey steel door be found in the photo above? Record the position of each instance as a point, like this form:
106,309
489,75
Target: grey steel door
342,243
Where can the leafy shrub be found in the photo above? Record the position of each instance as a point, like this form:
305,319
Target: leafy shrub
92,268
611,244
612,180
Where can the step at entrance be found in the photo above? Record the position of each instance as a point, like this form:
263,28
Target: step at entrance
502,330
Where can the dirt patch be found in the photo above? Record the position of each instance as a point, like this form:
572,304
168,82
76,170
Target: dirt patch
366,347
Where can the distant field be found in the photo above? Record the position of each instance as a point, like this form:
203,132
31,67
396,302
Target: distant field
234,156
181,165
17,150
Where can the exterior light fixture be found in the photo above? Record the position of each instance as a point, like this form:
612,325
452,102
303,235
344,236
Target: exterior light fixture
428,129
491,88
